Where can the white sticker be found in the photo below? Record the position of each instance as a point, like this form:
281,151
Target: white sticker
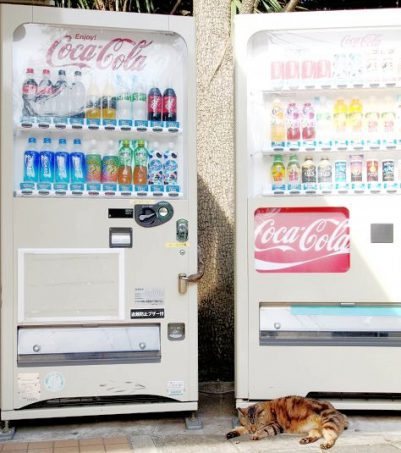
54,381
28,385
175,388
149,296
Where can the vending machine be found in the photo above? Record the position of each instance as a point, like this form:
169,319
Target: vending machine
98,213
318,241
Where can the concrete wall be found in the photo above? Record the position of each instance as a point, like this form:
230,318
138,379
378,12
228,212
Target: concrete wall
215,147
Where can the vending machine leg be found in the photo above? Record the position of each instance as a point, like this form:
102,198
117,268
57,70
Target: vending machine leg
193,422
6,432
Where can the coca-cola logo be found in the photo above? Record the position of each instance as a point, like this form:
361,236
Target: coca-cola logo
118,53
302,240
369,40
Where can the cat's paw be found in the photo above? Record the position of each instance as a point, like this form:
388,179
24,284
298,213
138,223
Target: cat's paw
255,437
326,446
232,434
308,440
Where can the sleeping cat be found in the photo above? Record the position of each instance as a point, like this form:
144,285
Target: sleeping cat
292,414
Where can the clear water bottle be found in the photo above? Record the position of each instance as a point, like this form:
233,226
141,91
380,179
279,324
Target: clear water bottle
46,165
62,166
123,104
43,100
139,104
29,91
61,100
77,101
31,163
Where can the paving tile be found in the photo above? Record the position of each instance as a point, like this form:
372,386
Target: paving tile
40,450
94,441
16,446
45,444
66,443
96,448
120,440
118,449
66,449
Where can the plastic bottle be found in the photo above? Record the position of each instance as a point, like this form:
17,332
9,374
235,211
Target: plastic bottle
140,176
277,124
325,174
170,169
123,104
371,122
110,164
278,173
308,122
93,168
43,100
139,103
109,120
77,100
31,162
125,164
155,104
340,111
355,116
61,100
324,123
46,163
78,166
155,169
169,105
309,176
29,91
387,118
294,173
293,122
398,116
61,166
93,106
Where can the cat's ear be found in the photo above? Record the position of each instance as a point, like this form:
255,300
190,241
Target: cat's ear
242,411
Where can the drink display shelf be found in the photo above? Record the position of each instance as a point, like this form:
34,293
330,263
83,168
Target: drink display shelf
345,189
146,130
346,86
301,147
26,193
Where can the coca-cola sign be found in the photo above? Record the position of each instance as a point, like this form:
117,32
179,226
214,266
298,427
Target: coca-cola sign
309,239
84,51
367,40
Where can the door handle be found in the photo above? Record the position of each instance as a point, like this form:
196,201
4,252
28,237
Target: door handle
184,279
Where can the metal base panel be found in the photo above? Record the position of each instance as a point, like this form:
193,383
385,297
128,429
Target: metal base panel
346,404
99,410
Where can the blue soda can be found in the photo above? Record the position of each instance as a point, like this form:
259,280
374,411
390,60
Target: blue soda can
62,167
77,161
340,171
46,166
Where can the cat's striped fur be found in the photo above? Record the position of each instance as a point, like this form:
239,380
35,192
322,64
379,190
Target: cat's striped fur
295,415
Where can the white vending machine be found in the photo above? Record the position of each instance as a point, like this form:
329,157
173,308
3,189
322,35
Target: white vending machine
98,213
318,242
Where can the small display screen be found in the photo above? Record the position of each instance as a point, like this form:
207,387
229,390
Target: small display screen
121,213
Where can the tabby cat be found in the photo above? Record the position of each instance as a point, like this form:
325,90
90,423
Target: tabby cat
292,414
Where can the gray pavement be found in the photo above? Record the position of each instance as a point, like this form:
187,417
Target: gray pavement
378,432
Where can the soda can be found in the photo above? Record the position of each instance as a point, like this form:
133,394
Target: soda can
62,167
340,171
46,166
93,168
110,166
388,170
31,166
292,72
276,70
372,170
308,69
323,69
356,168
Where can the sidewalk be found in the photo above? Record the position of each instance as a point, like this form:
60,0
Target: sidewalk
165,433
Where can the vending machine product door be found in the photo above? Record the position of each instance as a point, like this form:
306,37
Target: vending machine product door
98,213
318,182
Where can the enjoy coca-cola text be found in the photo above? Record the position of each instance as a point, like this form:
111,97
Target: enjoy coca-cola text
119,53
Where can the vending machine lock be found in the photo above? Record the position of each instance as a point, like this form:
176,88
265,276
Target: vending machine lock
182,230
151,215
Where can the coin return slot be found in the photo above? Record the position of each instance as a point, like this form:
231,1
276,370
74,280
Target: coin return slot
120,237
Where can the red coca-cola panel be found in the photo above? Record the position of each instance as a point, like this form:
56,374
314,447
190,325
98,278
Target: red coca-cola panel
313,239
